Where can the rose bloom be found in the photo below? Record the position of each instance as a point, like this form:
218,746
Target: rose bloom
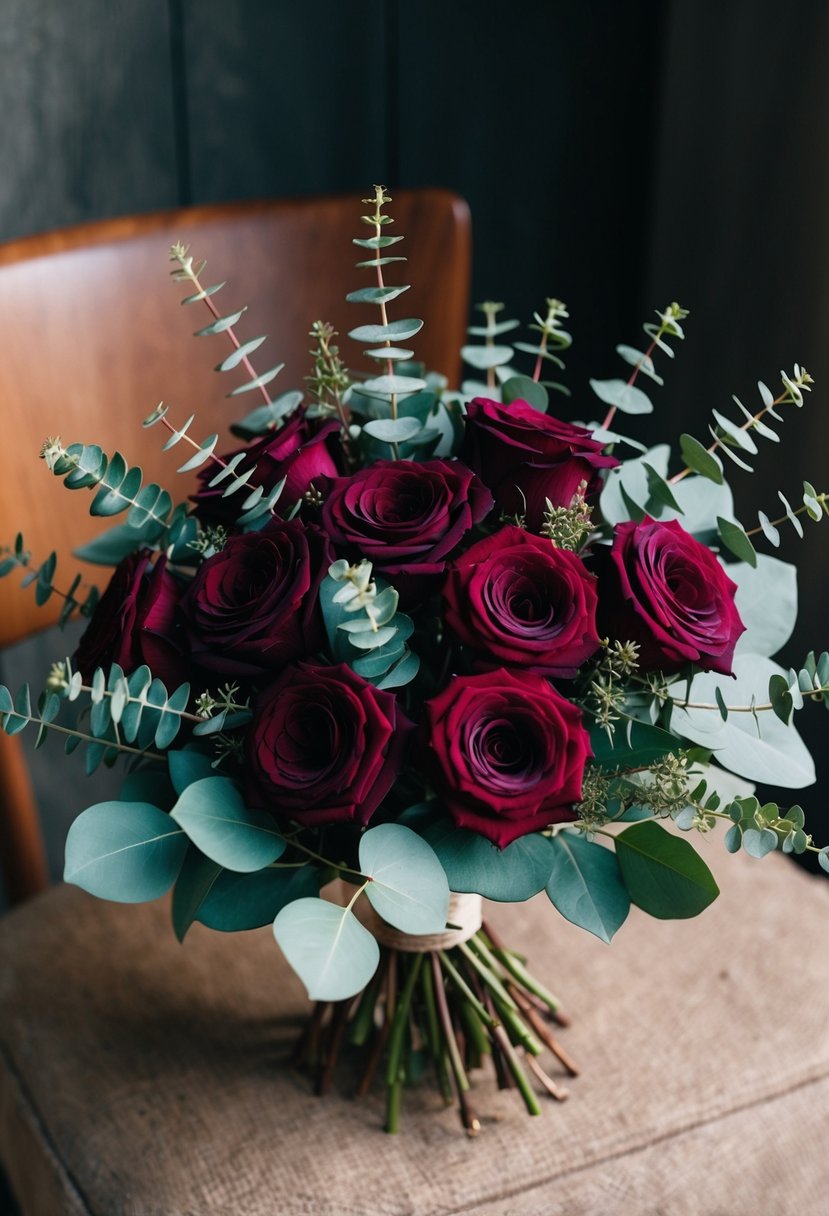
660,587
324,746
526,457
135,622
298,451
506,753
404,516
515,599
254,606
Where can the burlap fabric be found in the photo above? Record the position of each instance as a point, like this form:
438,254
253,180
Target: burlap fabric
142,1078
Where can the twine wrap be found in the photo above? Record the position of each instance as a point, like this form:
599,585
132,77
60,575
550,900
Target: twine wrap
465,911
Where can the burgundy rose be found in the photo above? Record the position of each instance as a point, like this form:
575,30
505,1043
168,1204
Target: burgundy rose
297,451
404,516
506,753
253,606
135,622
324,746
660,587
516,599
525,457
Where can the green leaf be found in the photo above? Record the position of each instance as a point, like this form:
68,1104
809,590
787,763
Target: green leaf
390,430
664,875
375,295
187,766
659,492
699,459
473,864
236,356
332,953
193,884
484,357
248,901
586,886
635,745
735,539
524,388
625,397
631,479
409,887
395,331
127,852
823,859
766,600
757,842
757,746
213,815
638,358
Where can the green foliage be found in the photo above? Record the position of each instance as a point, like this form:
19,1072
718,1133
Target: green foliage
473,864
751,741
250,901
127,852
663,874
623,394
193,885
331,952
408,886
766,600
364,627
42,577
760,829
585,885
214,816
552,338
633,745
492,358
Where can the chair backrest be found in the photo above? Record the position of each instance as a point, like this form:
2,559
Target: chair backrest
93,337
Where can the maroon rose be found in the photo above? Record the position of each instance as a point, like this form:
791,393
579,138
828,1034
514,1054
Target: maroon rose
526,457
253,607
135,622
660,587
298,451
506,753
324,746
404,516
517,600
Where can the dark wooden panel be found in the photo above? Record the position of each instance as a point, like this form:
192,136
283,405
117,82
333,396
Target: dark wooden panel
539,114
283,99
86,99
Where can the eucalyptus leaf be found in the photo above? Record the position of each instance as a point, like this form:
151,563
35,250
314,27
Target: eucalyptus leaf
408,885
585,885
524,388
664,875
623,396
332,953
474,864
249,901
766,600
197,876
128,852
212,813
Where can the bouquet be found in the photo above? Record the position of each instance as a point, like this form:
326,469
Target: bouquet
419,646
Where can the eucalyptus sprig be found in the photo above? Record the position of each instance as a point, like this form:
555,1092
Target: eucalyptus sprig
624,395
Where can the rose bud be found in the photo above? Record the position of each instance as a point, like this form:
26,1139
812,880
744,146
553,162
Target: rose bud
660,587
516,600
526,457
506,753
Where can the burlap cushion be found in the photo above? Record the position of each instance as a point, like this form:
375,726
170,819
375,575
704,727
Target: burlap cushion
141,1078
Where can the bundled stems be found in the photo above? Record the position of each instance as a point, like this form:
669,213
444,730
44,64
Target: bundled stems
446,1012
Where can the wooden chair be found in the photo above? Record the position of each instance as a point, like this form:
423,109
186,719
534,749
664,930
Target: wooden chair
93,337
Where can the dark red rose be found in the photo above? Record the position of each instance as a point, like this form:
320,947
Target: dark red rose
506,753
517,600
253,607
324,746
660,587
297,451
404,516
135,622
525,457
